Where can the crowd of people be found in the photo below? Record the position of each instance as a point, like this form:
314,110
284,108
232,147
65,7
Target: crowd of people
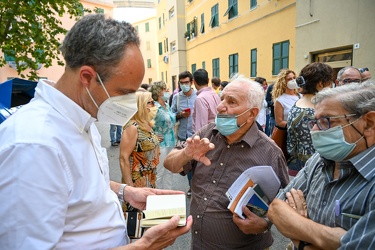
63,198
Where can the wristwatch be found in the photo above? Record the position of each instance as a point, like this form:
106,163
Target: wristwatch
302,244
120,194
269,224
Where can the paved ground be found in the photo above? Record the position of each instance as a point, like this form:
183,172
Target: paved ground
179,183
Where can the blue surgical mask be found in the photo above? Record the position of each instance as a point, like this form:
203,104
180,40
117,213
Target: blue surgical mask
227,124
331,143
166,96
185,87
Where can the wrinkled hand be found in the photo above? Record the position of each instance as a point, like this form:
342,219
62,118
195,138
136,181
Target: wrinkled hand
137,196
197,148
252,224
296,200
163,235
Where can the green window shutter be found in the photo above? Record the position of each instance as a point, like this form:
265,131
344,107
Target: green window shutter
253,63
160,48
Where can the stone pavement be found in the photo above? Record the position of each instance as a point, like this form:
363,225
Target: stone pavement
179,183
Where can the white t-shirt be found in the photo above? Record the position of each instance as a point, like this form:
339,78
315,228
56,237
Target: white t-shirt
54,180
287,101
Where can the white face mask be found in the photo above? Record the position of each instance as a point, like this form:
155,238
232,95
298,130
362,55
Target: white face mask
116,110
292,84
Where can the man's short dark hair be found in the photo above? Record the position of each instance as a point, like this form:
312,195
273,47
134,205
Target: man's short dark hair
260,79
185,74
216,81
201,77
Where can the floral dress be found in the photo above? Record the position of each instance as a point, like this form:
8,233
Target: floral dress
144,159
299,143
165,121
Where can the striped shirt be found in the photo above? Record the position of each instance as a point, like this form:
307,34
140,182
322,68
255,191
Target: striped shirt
347,202
213,226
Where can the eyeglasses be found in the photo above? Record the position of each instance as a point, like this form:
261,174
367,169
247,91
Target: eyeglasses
324,122
300,81
363,70
348,80
188,82
151,103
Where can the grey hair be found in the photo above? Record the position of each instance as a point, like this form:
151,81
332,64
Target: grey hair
255,91
155,89
98,42
356,98
341,72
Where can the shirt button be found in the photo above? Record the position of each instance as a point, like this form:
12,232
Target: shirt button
198,216
196,232
324,203
214,181
221,164
242,146
205,198
228,146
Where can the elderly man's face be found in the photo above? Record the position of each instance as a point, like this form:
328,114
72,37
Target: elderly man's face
350,75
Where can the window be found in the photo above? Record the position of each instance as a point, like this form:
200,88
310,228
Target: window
233,64
232,9
280,56
99,10
253,4
253,63
193,68
214,22
216,67
171,13
202,23
173,46
9,56
162,76
193,28
147,27
203,65
136,28
166,45
148,63
148,45
160,48
159,23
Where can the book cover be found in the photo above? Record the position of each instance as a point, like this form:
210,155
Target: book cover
161,208
256,188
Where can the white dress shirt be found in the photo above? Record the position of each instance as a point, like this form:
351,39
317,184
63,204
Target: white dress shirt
54,180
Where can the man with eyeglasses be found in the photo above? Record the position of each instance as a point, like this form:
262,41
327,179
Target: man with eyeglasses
347,75
365,74
55,189
331,202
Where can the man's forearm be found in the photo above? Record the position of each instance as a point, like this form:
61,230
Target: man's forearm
175,160
295,226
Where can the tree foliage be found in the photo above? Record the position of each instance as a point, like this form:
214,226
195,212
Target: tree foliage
30,30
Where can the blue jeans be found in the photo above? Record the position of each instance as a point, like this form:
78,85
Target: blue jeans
271,125
115,133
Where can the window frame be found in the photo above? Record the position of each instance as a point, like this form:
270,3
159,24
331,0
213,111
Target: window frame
253,62
233,64
278,61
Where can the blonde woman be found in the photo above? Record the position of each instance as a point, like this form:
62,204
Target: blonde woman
139,147
284,95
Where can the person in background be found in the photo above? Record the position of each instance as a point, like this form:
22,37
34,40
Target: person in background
145,86
313,78
347,75
115,134
206,102
215,81
365,74
218,153
270,105
164,127
139,150
263,117
54,175
182,105
223,84
330,204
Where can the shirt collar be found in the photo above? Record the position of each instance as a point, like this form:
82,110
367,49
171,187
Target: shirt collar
249,138
81,119
364,162
205,89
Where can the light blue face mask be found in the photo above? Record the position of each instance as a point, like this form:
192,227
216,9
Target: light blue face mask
185,87
331,143
227,124
166,96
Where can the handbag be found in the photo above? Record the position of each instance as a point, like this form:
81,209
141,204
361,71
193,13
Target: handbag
133,224
279,135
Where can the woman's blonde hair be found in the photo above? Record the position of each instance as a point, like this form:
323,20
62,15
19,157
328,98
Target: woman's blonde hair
142,117
280,83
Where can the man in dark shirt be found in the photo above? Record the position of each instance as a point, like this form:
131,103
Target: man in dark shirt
228,147
269,101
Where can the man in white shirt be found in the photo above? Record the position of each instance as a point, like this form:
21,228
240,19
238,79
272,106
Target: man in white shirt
55,190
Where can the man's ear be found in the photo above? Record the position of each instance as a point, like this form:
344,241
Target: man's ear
369,118
253,113
87,74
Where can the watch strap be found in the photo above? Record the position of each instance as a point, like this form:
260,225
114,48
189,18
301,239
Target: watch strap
120,194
